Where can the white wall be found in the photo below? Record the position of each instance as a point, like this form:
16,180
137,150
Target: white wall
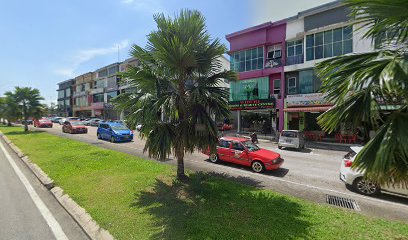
294,29
360,44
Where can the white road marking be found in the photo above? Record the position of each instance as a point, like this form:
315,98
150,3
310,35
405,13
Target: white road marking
45,212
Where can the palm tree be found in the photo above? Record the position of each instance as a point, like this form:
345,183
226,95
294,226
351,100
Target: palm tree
178,88
28,101
362,85
10,109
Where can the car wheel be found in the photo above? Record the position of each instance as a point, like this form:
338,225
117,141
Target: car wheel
112,139
257,166
98,136
213,158
366,187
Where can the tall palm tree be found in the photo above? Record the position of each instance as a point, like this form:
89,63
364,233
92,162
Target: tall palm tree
10,109
28,101
178,92
362,85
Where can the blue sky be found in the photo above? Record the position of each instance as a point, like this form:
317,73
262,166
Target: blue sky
46,41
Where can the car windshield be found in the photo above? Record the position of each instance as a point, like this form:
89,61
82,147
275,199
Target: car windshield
76,123
251,146
119,127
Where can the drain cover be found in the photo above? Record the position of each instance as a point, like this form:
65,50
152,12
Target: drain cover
342,202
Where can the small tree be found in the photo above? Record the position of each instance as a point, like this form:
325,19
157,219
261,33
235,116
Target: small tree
178,88
28,103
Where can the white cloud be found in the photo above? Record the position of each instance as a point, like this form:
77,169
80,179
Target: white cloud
150,6
86,55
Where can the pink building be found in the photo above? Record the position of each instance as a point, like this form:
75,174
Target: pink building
258,56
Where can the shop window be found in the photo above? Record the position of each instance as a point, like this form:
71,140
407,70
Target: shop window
276,86
250,89
292,85
111,95
98,98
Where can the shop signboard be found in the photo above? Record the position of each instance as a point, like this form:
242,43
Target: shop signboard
312,99
252,104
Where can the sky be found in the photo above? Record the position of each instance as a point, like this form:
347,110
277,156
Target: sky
44,42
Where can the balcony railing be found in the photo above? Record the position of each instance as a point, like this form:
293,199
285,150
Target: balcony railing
298,59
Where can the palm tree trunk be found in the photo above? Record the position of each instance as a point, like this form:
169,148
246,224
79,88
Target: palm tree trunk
180,169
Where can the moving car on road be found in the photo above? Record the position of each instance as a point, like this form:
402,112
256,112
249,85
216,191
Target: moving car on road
356,178
56,119
243,152
115,132
42,123
291,139
74,127
94,122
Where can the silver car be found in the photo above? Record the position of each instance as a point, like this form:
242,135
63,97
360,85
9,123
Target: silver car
291,139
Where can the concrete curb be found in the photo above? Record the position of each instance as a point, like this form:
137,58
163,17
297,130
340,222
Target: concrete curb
79,214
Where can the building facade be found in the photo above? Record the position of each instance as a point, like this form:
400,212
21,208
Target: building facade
64,101
291,49
81,98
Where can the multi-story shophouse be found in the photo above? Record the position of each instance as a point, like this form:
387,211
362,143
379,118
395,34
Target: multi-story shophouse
276,61
105,88
258,56
65,97
82,101
312,36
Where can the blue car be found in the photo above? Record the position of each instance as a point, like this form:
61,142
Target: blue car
115,132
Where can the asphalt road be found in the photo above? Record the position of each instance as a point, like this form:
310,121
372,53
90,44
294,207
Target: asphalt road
27,209
311,174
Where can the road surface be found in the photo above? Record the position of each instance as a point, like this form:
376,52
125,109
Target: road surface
311,174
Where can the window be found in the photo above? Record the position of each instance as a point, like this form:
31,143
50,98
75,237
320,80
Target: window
113,70
294,52
224,144
274,52
250,89
103,73
67,102
60,93
60,104
248,60
100,84
292,85
329,43
276,86
98,98
306,79
67,92
238,146
111,95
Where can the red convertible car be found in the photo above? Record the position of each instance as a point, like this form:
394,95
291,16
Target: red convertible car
243,152
42,123
74,127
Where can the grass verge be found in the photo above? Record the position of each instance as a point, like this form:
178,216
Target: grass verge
135,198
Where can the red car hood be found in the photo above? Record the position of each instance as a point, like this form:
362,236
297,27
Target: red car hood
264,154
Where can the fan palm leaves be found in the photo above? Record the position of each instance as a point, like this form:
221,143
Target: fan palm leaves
362,86
177,88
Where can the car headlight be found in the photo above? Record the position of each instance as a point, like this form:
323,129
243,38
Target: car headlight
275,161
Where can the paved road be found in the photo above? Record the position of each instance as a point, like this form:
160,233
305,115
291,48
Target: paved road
27,209
310,174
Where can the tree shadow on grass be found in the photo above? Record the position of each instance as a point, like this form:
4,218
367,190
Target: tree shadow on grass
209,207
24,133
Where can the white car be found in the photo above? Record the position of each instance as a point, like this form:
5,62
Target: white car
356,178
291,139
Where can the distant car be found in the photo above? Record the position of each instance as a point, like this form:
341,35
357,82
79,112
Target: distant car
74,127
115,132
42,123
224,126
55,119
356,178
94,122
29,122
291,139
243,152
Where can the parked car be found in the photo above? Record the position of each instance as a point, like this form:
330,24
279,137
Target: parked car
224,126
74,127
243,152
356,178
55,119
115,132
29,122
42,123
94,122
291,139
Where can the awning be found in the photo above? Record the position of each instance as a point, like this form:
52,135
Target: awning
308,109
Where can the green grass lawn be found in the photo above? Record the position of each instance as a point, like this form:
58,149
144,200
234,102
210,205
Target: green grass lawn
135,198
